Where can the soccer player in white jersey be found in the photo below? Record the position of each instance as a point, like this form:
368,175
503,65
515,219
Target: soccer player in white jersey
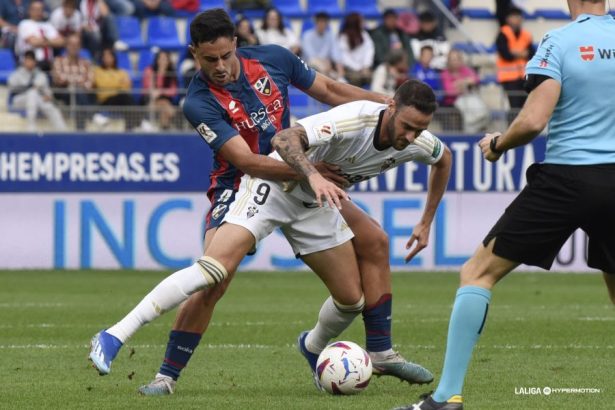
377,137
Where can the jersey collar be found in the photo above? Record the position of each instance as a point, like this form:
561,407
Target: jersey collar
376,140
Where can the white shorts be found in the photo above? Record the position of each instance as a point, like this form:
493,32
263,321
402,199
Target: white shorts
260,206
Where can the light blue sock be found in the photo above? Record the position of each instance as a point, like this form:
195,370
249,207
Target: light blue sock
467,322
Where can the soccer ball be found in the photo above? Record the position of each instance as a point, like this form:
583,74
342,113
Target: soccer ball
344,368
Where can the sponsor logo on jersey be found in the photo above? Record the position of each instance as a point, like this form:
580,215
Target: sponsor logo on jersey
263,86
263,118
436,149
388,163
225,195
232,106
218,211
206,132
324,131
252,210
587,53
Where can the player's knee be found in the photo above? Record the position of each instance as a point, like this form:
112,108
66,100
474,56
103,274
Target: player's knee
213,271
215,293
373,246
353,307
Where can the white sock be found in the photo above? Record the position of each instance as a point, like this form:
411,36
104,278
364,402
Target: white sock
379,356
333,319
169,293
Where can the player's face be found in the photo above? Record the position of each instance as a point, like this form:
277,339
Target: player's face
218,60
404,125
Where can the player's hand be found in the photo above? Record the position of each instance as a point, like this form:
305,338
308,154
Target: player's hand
332,173
419,238
484,146
326,190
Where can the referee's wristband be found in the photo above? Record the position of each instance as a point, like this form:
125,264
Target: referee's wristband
492,146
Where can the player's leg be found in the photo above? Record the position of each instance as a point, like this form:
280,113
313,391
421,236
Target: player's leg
372,251
338,269
609,279
209,270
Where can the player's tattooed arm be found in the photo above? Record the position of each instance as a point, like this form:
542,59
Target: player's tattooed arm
291,144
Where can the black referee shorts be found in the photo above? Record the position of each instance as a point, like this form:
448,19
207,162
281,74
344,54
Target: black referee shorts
557,200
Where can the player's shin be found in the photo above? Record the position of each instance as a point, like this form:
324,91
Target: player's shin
466,324
377,320
169,293
333,319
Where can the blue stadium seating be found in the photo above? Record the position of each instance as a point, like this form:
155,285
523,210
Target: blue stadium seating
552,14
146,58
368,8
123,61
329,6
7,64
476,13
129,30
162,33
289,8
308,23
212,4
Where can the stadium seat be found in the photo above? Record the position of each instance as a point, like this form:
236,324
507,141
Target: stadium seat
123,61
368,8
308,23
212,4
146,58
289,8
476,13
329,6
129,30
162,33
552,14
7,64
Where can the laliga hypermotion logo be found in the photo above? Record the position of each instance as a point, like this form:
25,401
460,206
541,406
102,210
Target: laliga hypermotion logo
587,53
263,86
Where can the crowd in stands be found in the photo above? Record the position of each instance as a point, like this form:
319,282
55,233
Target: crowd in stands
76,50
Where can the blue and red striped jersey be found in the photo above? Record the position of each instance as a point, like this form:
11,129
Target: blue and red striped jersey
255,106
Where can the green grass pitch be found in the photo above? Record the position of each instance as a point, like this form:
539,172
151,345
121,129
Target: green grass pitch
543,330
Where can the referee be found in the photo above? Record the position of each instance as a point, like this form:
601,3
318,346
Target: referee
571,84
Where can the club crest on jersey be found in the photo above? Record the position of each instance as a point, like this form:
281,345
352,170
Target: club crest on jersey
218,211
252,210
388,163
263,85
587,53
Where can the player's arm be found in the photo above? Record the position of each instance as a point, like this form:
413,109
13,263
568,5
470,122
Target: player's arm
529,123
438,180
291,144
333,93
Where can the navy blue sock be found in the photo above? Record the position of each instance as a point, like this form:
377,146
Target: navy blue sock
180,347
377,319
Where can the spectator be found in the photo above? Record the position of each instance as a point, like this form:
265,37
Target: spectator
430,34
422,71
121,7
11,14
391,74
187,69
320,48
150,8
189,6
515,49
29,90
74,75
113,87
356,50
38,35
67,19
459,81
274,32
160,86
245,33
99,29
388,37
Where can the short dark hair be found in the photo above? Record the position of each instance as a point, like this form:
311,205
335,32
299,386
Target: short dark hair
427,16
395,56
389,12
417,94
426,47
29,54
210,25
514,11
322,15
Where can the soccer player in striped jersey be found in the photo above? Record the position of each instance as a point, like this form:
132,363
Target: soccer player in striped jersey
379,137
